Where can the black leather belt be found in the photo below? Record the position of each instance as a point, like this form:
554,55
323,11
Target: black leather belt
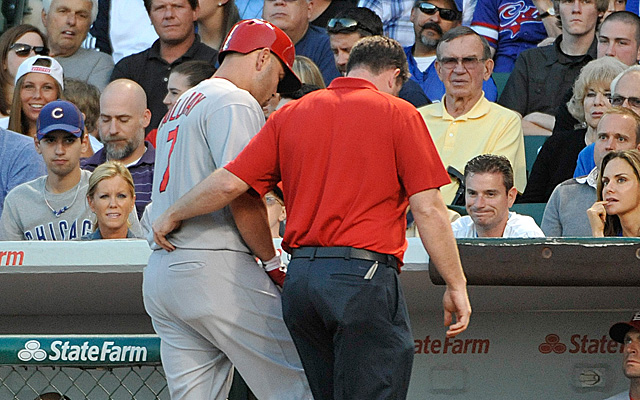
344,252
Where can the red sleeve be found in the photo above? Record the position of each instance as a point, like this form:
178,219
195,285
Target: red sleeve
258,163
418,162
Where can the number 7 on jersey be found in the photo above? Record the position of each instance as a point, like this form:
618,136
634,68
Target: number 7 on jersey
172,137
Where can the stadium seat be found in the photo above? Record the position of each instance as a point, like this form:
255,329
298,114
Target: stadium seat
532,145
500,78
534,210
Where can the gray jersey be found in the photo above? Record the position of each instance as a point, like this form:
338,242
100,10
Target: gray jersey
208,126
27,216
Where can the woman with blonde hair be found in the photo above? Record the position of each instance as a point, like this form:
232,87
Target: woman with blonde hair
39,81
308,71
617,209
111,197
557,158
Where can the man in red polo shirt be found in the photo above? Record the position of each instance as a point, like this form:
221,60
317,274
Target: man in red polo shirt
351,158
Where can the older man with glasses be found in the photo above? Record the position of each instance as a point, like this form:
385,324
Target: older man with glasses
465,124
431,19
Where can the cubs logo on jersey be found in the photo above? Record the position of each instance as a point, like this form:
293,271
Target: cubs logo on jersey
514,15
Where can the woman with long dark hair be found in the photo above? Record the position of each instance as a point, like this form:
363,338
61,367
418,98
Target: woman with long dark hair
617,210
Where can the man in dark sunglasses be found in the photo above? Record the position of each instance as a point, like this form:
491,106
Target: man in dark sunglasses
351,25
431,19
67,23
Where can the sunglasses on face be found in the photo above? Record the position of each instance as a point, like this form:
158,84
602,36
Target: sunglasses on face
446,14
337,25
618,100
23,50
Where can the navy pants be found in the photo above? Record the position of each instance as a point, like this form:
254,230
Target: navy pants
352,333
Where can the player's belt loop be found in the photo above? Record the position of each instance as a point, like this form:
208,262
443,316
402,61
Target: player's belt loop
313,253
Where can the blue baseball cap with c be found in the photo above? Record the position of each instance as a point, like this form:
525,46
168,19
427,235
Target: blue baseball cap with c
60,115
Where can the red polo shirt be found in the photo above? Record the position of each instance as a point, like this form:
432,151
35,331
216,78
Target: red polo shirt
348,157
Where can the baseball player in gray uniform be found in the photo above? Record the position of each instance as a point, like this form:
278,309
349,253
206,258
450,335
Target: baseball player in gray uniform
211,304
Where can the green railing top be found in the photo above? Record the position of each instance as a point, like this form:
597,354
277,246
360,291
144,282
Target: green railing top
79,350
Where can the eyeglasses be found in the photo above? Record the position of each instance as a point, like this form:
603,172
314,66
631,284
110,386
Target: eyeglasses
23,50
467,62
271,200
446,14
337,25
618,100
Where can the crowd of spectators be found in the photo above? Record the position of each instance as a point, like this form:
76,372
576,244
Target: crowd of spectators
543,49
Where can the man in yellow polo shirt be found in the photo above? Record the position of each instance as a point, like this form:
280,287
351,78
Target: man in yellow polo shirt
465,124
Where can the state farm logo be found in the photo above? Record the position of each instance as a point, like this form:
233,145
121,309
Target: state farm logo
32,351
84,351
451,346
578,343
552,344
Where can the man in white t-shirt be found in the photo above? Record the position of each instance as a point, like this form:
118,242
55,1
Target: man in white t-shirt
628,333
489,192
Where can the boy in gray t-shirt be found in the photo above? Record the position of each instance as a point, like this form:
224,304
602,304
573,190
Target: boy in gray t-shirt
52,207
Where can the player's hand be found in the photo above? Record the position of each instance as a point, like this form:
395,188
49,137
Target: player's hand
456,303
161,228
276,270
597,216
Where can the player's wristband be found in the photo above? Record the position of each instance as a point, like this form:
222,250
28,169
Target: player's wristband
272,264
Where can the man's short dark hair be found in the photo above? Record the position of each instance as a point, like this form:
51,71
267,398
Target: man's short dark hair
369,23
192,3
491,164
627,18
378,54
461,31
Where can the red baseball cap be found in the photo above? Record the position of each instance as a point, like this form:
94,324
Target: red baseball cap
253,34
617,331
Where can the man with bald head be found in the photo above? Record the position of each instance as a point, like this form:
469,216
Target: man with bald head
123,119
